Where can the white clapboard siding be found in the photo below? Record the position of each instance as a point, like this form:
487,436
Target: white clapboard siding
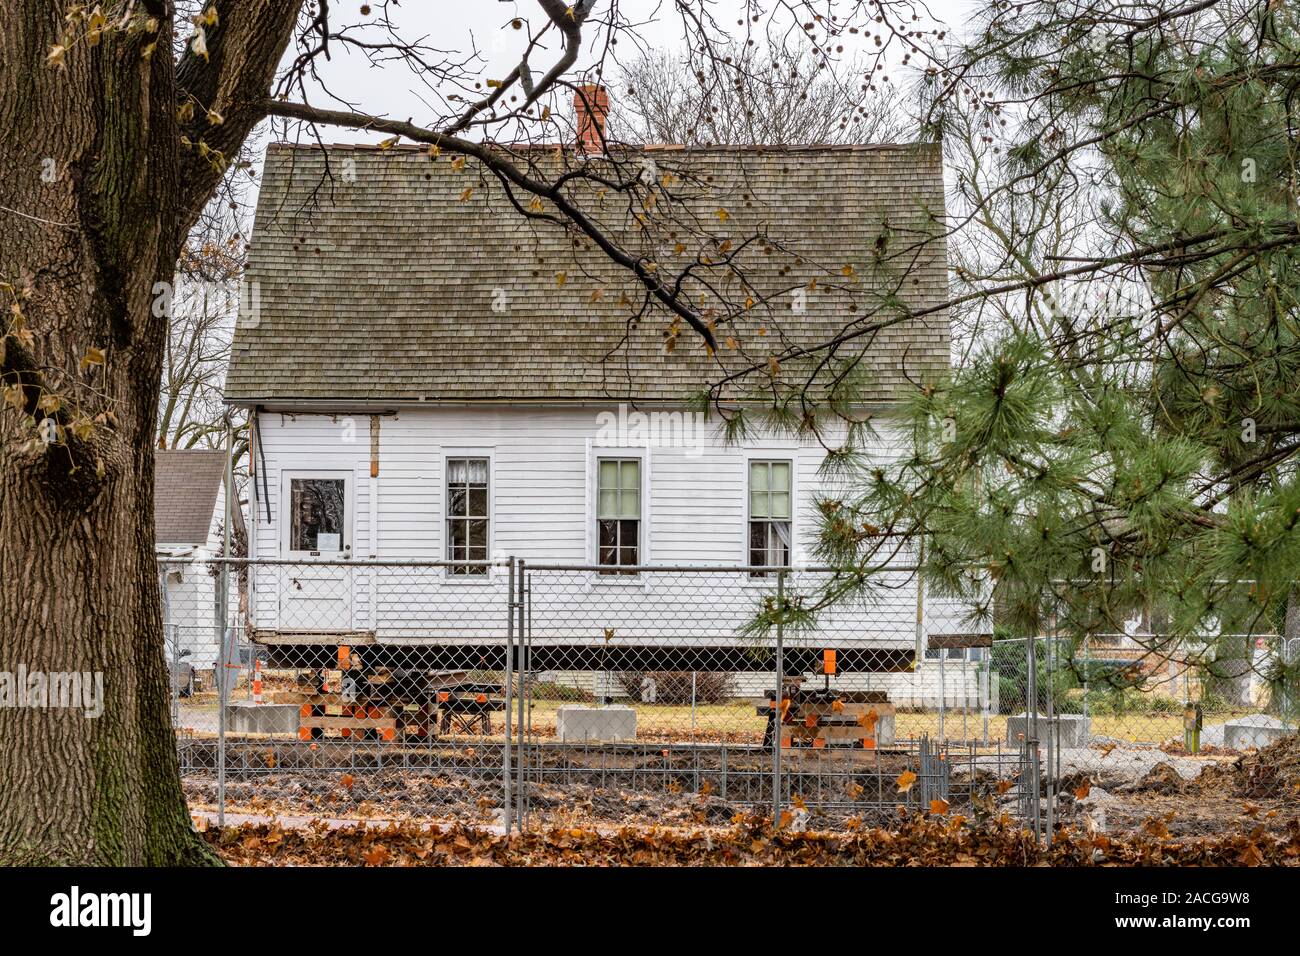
542,495
912,690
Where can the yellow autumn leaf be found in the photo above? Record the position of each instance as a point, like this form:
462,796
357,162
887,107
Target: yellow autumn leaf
722,215
54,58
389,143
469,191
939,807
906,780
458,164
561,278
93,356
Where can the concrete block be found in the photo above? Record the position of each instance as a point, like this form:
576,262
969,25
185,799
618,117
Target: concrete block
246,717
575,722
1257,730
885,728
1065,730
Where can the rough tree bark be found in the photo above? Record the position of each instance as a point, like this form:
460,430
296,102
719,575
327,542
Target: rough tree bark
97,192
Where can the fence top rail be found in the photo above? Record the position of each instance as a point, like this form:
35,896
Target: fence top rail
504,563
629,569
333,562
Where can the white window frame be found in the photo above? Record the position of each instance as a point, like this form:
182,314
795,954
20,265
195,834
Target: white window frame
749,502
287,477
788,453
444,541
597,453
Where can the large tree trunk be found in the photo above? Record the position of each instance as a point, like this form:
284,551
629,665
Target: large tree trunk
89,181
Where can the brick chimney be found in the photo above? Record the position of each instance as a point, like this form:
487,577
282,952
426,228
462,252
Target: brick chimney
591,106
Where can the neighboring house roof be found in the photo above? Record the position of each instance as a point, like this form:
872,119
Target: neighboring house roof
375,279
186,485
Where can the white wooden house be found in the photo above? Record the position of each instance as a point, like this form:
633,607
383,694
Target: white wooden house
189,513
430,377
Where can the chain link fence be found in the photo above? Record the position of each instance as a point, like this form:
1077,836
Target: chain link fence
523,694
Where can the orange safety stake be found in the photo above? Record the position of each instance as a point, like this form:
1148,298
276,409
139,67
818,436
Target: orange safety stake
257,681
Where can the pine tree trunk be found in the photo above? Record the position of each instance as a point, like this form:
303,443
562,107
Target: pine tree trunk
91,221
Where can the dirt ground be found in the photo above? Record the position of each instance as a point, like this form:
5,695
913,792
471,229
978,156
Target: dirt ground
1231,792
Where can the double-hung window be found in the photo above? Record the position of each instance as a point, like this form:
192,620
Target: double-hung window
769,515
618,513
467,514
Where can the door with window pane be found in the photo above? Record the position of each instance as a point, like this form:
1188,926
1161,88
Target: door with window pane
769,515
316,527
467,513
618,512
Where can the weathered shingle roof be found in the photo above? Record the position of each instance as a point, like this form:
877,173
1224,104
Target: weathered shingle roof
185,488
380,280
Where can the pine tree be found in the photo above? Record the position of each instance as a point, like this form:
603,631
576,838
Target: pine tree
1123,439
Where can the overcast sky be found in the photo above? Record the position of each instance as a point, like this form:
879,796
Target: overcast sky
457,28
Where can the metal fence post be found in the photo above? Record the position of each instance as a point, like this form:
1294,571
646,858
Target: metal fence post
523,693
1053,728
776,700
1031,731
224,631
507,806
172,641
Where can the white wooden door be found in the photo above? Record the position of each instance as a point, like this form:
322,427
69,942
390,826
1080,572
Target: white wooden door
316,532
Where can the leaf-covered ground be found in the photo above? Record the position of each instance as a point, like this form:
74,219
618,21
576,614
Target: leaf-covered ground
748,841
